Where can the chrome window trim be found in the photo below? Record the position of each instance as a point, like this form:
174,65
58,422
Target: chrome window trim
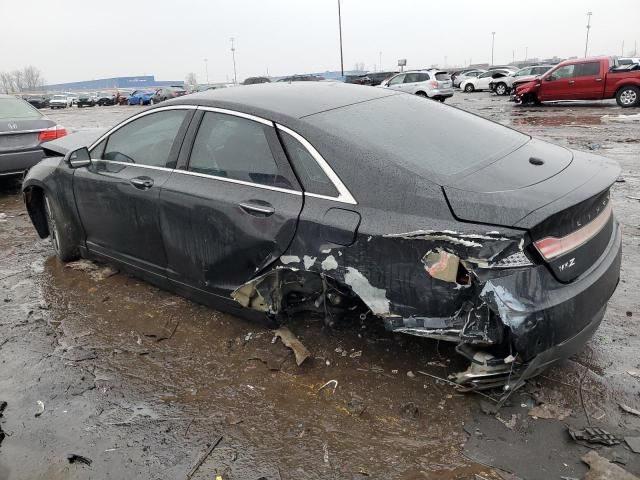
344,195
239,182
139,115
236,114
130,164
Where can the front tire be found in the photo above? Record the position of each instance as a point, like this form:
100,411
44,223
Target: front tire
501,89
151,102
59,233
469,88
628,96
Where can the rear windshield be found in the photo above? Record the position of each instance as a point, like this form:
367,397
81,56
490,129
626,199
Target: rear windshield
442,76
424,137
17,108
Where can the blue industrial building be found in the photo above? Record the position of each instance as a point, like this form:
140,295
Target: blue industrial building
143,81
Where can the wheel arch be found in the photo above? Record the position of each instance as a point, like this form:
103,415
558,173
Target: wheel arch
34,201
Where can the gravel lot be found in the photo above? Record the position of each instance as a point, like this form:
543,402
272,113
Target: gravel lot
142,382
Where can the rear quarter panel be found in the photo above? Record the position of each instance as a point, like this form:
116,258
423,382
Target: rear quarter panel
615,80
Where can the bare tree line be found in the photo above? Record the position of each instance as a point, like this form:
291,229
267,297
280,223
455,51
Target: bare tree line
25,80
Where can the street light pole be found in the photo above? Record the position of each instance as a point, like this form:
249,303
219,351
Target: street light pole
493,42
586,45
206,69
380,60
340,32
233,55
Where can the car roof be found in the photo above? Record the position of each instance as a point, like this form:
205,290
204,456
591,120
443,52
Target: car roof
292,100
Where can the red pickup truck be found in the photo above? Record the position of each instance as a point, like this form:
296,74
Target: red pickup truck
583,79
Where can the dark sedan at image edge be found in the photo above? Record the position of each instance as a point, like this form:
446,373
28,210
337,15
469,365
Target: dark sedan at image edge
23,129
334,200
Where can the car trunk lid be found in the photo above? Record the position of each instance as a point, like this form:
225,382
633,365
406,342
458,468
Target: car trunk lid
561,198
19,134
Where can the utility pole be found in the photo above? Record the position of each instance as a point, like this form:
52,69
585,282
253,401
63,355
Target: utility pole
586,45
340,32
206,69
513,56
380,60
233,55
526,52
493,42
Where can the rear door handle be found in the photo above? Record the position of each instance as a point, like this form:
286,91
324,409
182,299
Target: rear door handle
257,208
571,82
142,183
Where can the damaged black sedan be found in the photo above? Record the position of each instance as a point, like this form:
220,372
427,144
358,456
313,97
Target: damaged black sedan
342,200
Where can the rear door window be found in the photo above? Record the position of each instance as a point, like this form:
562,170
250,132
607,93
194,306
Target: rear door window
148,140
412,78
237,148
590,69
310,174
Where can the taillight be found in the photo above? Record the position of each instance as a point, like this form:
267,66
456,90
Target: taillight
434,83
52,133
552,247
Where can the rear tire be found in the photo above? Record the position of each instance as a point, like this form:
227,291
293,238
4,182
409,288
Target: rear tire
421,94
59,232
628,96
441,100
501,89
469,88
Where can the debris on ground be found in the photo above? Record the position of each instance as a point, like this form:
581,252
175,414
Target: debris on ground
633,443
96,272
511,423
356,354
634,373
549,410
290,340
629,409
40,408
74,457
602,469
330,382
594,435
410,410
206,454
3,405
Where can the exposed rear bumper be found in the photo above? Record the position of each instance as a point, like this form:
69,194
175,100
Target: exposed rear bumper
553,319
15,163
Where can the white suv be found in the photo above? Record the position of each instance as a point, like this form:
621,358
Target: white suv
431,84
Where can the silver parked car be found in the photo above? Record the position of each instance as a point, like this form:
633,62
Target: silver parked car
432,84
504,85
465,76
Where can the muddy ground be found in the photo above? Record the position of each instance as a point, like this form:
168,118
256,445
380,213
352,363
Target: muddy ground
143,382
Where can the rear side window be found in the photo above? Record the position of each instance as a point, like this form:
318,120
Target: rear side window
310,174
147,140
237,148
17,108
587,69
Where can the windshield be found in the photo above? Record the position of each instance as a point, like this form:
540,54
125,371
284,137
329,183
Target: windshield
424,137
59,97
15,108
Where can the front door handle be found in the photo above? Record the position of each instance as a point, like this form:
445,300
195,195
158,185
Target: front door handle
262,209
598,79
142,183
571,82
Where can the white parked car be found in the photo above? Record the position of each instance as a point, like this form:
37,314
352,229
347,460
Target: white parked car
483,80
504,85
433,84
464,76
60,101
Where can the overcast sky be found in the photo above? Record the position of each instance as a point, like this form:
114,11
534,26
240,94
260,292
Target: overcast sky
72,40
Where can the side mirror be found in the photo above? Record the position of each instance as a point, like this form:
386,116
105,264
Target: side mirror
78,158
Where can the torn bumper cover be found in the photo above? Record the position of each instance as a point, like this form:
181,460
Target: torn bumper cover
532,318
